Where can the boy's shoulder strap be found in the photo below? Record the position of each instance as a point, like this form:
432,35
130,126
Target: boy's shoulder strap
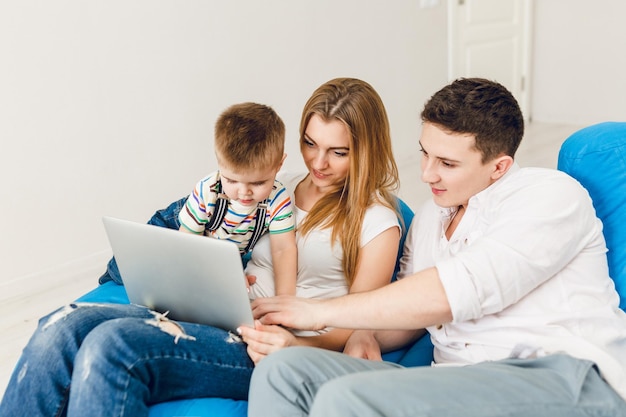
259,224
221,207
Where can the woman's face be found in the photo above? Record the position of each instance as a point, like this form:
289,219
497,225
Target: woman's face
326,151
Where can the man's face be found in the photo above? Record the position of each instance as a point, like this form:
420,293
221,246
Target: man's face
452,166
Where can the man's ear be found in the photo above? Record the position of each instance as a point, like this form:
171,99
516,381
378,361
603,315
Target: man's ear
502,164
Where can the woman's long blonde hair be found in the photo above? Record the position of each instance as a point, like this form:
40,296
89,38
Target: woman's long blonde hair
373,174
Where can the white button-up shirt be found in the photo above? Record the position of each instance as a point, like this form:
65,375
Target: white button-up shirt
524,271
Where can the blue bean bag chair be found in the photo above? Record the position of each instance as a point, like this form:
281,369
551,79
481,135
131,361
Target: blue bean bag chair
111,290
596,157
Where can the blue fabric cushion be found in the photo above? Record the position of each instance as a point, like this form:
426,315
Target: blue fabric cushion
596,157
201,407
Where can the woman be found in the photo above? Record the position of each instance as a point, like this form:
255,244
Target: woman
119,359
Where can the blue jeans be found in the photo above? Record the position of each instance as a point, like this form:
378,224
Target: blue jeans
311,382
116,360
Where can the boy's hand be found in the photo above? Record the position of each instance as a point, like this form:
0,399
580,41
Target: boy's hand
250,280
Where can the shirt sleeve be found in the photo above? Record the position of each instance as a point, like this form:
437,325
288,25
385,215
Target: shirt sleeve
377,219
534,231
197,210
281,211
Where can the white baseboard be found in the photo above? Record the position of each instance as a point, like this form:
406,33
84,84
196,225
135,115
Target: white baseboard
78,274
24,300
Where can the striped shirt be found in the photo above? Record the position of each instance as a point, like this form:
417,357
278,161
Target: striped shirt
240,221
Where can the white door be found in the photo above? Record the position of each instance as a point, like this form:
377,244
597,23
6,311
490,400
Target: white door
491,39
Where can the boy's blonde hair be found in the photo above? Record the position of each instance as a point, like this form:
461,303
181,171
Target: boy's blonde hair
249,136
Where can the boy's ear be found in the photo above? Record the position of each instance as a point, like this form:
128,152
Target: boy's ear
502,164
282,160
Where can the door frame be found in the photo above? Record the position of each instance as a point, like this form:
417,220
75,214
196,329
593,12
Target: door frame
524,96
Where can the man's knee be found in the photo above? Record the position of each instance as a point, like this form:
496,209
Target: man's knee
333,397
279,365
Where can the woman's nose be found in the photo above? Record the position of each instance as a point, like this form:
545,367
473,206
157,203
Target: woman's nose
320,160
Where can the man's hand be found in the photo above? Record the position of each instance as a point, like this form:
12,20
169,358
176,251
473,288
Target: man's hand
290,311
363,344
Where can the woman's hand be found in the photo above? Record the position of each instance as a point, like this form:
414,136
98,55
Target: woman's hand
363,344
265,339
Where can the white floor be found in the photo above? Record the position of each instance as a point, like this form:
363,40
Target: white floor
21,309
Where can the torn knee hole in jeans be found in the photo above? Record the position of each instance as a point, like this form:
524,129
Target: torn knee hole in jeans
170,327
66,311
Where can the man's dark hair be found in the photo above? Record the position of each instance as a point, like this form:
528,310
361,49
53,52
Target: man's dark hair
482,108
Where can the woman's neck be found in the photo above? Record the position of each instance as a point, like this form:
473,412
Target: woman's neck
307,194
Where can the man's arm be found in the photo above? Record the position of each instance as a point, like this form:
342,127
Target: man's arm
415,302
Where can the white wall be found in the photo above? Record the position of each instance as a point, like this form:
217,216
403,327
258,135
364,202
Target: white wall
579,61
107,107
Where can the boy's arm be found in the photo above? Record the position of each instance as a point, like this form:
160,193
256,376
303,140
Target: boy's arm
285,262
184,229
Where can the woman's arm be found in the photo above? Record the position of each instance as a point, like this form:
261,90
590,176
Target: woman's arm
377,261
374,270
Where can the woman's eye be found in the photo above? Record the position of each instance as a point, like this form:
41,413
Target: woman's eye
341,154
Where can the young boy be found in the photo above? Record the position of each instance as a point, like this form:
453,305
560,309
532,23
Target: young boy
242,200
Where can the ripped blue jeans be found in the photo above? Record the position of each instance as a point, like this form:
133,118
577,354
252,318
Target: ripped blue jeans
117,359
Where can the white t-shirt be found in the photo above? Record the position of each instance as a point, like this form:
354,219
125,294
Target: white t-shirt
525,267
320,272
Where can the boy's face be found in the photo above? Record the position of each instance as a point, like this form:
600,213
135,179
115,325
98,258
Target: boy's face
453,167
247,187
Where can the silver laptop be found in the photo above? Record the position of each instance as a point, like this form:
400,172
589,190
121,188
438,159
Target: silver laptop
196,278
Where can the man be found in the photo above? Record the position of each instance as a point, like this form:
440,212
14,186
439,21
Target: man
505,268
